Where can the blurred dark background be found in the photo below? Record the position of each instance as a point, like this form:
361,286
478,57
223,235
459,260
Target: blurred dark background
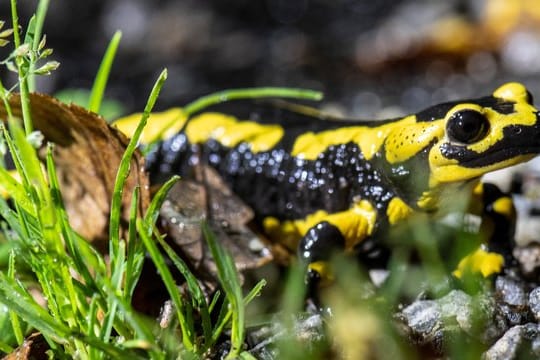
371,58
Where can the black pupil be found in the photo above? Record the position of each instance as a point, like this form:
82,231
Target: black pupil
467,126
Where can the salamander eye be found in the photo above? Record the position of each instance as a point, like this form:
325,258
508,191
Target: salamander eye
467,126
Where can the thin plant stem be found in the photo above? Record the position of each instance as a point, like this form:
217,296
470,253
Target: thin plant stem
23,80
41,12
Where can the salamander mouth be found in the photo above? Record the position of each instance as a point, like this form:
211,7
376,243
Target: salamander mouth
499,156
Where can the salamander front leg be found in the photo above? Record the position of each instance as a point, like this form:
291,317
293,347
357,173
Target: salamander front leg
315,250
497,229
499,218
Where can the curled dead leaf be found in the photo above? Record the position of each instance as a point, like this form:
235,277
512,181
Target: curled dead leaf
208,198
87,155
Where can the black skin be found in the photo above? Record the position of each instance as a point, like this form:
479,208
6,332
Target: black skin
279,185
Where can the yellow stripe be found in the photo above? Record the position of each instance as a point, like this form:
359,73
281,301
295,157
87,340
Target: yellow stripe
160,125
230,132
370,139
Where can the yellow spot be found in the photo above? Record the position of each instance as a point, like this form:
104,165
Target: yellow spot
355,224
478,189
511,91
370,139
505,207
286,232
324,269
480,261
310,220
160,125
270,224
429,200
397,210
404,142
230,132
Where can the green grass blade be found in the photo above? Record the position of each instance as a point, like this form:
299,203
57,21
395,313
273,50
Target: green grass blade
230,282
73,245
28,196
5,348
30,31
15,323
11,219
113,351
123,170
294,292
152,212
135,250
194,290
14,296
214,301
188,332
16,190
256,291
102,76
140,329
116,203
118,265
93,325
118,271
92,316
250,93
224,316
30,166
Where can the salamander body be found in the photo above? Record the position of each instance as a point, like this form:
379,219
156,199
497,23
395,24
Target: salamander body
317,185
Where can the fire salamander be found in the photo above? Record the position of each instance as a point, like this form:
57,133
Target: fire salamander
320,185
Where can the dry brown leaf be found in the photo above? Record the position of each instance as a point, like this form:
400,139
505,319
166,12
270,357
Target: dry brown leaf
190,202
87,155
34,347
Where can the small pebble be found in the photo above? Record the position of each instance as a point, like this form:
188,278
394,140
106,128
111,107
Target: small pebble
520,341
528,258
511,291
534,302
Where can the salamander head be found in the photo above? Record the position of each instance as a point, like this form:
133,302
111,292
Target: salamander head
463,140
485,135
